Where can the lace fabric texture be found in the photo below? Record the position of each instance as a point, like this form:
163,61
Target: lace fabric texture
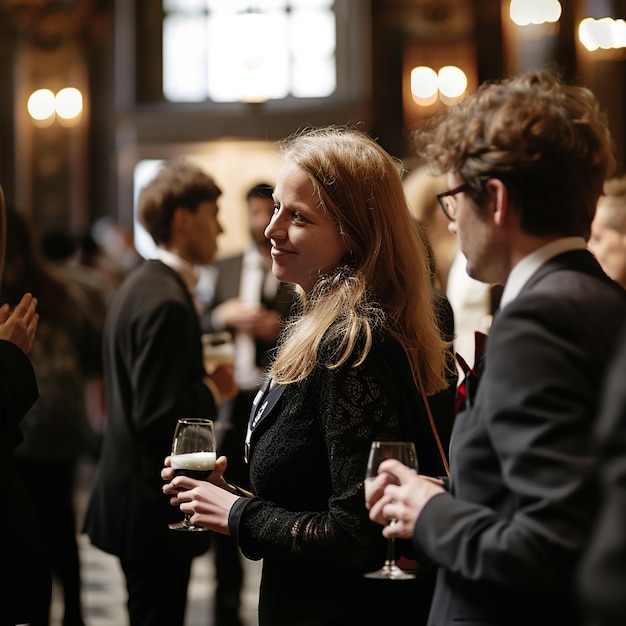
308,522
309,460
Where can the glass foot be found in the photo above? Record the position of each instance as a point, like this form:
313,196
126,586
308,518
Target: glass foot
186,526
390,571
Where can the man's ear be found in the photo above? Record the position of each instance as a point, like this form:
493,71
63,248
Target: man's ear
181,219
498,200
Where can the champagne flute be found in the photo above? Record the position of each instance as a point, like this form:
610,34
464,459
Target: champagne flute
193,455
404,451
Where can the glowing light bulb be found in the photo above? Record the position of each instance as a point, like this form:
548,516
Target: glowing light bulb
452,81
69,103
604,33
424,85
41,104
524,12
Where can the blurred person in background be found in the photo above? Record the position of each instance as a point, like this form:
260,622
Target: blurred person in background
55,429
27,584
608,230
90,292
117,249
420,187
603,571
154,375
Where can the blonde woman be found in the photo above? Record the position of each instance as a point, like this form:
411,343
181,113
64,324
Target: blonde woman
353,365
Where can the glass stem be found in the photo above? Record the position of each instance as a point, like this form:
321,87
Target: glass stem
391,553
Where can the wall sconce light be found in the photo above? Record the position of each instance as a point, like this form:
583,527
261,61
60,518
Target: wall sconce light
606,33
525,12
69,104
66,106
424,85
41,107
450,84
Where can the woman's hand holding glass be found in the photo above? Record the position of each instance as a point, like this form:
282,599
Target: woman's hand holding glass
193,455
399,494
208,502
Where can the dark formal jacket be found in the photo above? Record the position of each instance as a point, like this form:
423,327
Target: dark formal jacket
510,532
153,376
27,584
309,524
603,572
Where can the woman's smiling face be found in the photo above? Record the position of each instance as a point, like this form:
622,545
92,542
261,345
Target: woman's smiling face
305,242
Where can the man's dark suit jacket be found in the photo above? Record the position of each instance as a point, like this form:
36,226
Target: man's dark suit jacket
603,573
508,535
27,585
153,376
227,287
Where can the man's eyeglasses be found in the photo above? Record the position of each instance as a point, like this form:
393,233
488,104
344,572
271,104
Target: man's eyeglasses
448,202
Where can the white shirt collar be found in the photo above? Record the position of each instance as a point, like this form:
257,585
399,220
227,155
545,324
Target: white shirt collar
184,269
522,272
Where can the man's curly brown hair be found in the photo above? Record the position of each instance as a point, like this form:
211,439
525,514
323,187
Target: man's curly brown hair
548,141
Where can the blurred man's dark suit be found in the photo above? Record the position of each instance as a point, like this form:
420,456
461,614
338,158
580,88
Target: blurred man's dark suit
153,376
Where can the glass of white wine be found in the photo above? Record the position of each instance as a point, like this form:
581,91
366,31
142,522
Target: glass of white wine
404,451
193,455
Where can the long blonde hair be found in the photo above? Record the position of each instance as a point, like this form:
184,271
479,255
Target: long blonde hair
385,280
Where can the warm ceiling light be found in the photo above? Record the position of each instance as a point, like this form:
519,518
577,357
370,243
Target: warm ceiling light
524,12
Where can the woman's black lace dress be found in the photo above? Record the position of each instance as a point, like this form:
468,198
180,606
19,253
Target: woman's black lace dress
308,522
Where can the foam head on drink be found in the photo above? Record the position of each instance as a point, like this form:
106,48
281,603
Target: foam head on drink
194,464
